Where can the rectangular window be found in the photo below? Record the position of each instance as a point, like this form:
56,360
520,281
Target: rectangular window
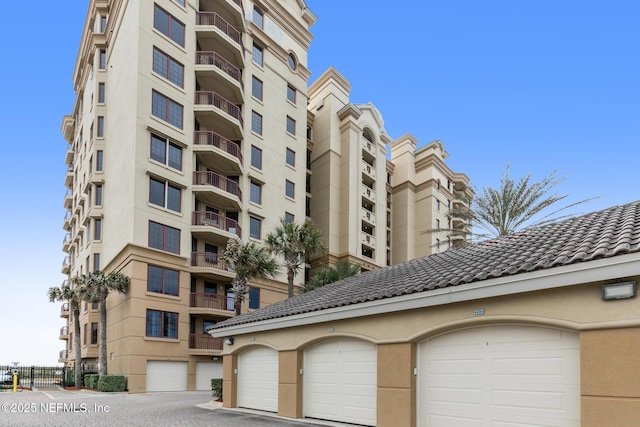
97,229
103,24
289,217
101,93
180,2
256,88
256,193
254,227
290,189
96,262
162,280
99,160
98,195
257,55
163,324
291,126
164,237
84,334
256,123
256,157
94,332
168,25
258,17
166,109
291,93
103,59
438,205
162,193
166,152
291,157
437,224
168,67
100,127
254,298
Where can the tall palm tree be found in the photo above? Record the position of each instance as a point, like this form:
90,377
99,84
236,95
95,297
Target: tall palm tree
327,275
295,242
99,285
73,295
248,261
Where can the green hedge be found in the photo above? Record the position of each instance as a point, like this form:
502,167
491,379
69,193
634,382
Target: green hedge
111,383
216,388
70,378
91,381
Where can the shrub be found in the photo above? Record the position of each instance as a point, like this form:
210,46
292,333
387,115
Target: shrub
216,388
111,383
91,381
70,378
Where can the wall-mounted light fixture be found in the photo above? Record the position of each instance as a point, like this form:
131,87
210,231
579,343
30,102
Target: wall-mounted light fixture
228,341
622,290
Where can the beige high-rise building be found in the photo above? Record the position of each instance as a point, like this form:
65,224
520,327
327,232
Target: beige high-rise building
193,124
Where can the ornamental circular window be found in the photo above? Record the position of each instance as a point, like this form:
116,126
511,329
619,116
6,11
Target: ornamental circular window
293,63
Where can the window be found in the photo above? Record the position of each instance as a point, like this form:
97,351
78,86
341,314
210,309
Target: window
289,217
98,195
257,55
164,237
163,324
256,123
256,193
162,280
101,93
103,24
254,227
97,229
100,127
254,298
291,126
291,94
168,25
291,157
96,262
437,205
103,59
291,60
180,2
166,152
166,109
256,88
94,332
437,224
290,189
437,243
162,193
256,157
94,306
99,160
84,334
258,17
168,67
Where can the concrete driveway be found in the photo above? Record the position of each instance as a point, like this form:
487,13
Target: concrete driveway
83,408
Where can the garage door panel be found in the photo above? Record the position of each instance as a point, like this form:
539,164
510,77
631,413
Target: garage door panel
258,379
166,376
205,371
448,421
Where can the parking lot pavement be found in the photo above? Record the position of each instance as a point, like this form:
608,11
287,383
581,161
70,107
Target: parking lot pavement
83,408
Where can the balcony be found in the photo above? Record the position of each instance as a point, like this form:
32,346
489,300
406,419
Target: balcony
66,242
213,148
64,310
369,147
368,217
217,190
213,30
368,193
209,265
368,170
66,266
213,70
68,199
217,112
204,344
203,303
66,226
63,356
214,227
367,240
64,333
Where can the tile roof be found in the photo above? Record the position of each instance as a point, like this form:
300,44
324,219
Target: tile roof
603,234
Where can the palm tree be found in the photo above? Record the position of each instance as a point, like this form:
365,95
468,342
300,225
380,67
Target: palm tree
73,295
295,243
248,261
327,275
99,286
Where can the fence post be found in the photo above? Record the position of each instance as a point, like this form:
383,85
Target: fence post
33,368
64,376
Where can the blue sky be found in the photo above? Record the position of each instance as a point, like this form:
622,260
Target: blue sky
542,85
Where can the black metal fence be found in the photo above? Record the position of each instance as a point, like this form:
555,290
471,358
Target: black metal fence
30,377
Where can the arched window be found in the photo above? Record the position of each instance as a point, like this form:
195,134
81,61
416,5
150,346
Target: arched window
367,135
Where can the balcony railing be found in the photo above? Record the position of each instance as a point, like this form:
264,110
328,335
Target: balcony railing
214,301
369,193
218,141
216,180
205,342
64,331
63,354
213,19
64,308
213,58
208,260
215,220
368,169
204,97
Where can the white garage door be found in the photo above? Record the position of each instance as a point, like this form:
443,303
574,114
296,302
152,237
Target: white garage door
205,371
507,376
340,380
166,376
258,379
